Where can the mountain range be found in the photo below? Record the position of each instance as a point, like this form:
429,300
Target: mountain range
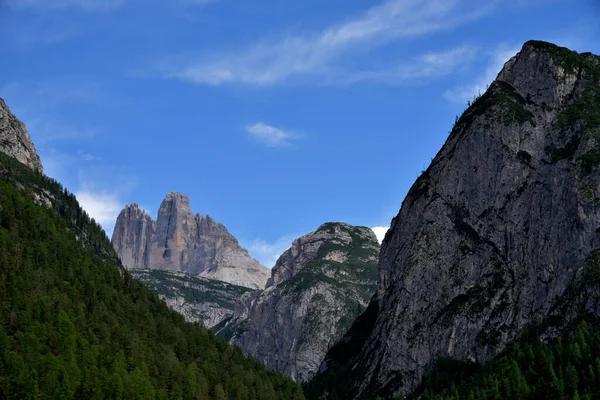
486,286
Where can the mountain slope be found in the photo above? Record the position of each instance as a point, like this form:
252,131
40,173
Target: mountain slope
74,324
180,241
497,235
318,287
198,299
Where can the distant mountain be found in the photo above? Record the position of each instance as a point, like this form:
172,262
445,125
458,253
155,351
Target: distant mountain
317,289
198,299
15,140
498,238
180,241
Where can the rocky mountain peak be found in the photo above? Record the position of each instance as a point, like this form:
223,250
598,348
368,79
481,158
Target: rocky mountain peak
496,235
15,140
180,241
318,287
307,248
177,197
174,205
543,73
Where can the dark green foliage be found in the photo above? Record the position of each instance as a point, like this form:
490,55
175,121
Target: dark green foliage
510,107
75,325
566,368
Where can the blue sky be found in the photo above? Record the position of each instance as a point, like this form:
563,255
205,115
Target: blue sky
272,116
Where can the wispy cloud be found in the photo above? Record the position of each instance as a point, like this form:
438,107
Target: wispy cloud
271,136
425,66
267,253
313,55
497,59
380,232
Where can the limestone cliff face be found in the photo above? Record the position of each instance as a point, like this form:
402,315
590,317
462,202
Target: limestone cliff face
132,238
15,140
318,287
497,234
180,241
198,299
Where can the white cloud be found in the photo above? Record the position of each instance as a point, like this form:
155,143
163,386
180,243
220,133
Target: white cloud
427,65
317,54
270,135
267,253
462,94
380,232
103,207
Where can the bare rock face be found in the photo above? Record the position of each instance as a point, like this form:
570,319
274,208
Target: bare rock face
15,140
132,238
499,233
180,241
318,287
203,300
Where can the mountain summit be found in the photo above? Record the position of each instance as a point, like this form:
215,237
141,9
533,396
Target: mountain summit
180,241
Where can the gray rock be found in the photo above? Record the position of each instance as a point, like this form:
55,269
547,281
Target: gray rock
132,235
15,140
497,233
180,241
318,287
203,300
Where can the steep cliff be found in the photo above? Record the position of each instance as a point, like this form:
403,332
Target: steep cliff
318,287
198,299
180,241
15,140
499,233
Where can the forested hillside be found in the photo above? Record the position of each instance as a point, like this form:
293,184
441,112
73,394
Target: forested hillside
74,324
566,368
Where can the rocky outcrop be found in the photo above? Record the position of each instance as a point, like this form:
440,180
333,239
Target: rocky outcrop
15,140
132,235
497,234
180,241
318,287
207,301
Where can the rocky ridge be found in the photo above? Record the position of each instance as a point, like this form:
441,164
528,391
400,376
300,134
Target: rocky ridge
317,288
203,300
15,140
180,241
499,233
